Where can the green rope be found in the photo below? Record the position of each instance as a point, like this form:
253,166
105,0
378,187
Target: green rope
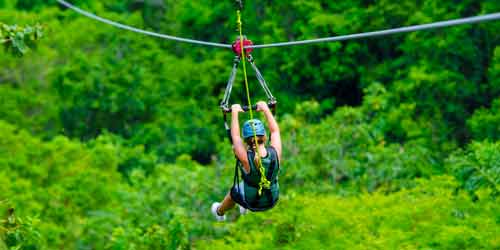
263,183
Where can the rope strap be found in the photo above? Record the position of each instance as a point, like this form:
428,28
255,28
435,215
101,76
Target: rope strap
263,183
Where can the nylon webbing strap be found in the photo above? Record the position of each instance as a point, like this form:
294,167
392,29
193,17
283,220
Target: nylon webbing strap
261,80
224,104
227,94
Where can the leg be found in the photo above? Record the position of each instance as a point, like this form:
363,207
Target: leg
226,204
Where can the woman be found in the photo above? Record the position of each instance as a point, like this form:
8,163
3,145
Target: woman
257,192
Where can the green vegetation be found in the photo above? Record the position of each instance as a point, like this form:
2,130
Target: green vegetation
113,140
17,39
429,216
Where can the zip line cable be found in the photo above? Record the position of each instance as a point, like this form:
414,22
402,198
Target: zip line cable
145,32
442,24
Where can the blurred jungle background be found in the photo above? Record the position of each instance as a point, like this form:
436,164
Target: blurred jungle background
114,140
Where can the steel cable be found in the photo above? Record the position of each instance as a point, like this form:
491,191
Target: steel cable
442,24
461,21
145,32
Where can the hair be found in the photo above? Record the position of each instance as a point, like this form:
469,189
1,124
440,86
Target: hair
261,139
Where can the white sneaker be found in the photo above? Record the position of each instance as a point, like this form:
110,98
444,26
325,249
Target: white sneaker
214,208
242,210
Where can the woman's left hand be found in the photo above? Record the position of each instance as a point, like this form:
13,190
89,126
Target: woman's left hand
262,106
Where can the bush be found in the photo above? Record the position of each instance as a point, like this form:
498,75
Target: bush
484,124
29,110
57,181
477,167
429,216
345,149
18,39
80,199
18,233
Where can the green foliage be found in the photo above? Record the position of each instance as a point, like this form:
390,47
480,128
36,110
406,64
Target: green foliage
18,39
18,233
477,167
346,149
36,5
429,216
152,216
129,158
102,131
49,179
80,199
105,99
32,4
37,113
484,123
119,82
159,210
494,73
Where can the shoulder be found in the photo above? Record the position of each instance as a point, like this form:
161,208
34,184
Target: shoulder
249,156
272,151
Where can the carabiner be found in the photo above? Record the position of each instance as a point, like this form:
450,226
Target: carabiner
239,4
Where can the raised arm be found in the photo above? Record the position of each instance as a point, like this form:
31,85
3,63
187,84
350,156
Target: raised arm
238,146
273,127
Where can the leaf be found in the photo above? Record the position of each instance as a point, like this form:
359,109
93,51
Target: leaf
18,43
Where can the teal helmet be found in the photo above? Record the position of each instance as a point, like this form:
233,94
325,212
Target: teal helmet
248,130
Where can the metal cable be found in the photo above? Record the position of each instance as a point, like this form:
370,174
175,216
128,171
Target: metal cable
230,82
261,80
149,33
461,21
442,24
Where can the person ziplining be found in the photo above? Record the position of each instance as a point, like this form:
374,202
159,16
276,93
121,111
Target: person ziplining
258,163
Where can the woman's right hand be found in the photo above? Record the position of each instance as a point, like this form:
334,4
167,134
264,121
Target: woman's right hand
236,108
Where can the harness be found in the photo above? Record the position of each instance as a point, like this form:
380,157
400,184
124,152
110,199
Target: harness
271,176
235,190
